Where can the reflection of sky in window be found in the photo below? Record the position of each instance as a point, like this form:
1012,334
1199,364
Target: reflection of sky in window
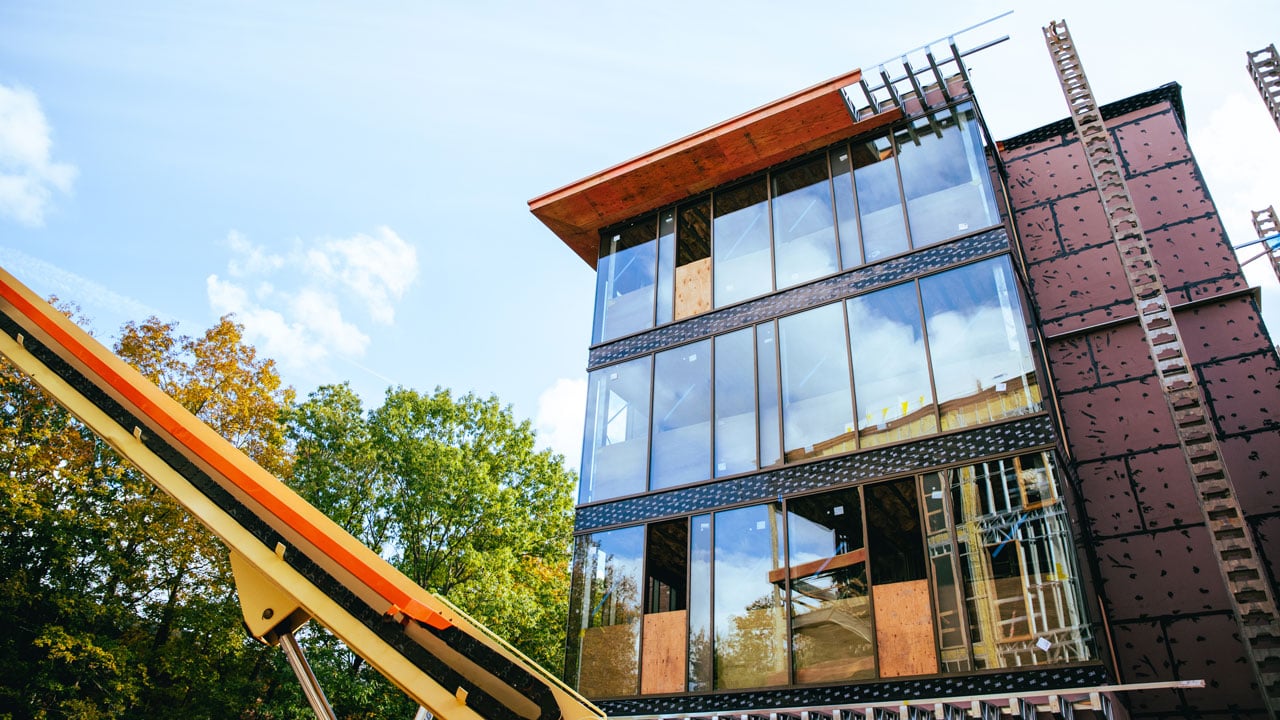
746,550
883,380
817,403
970,339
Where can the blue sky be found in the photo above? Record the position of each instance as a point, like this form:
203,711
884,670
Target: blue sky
351,179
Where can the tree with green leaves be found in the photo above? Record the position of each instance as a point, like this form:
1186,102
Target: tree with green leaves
118,604
454,491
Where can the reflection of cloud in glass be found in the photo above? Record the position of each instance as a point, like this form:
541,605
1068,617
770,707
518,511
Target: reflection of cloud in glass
890,369
971,351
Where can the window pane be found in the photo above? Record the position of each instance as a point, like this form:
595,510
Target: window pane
895,401
616,447
742,262
604,649
666,266
982,367
945,176
700,662
662,643
831,627
1017,565
681,416
804,233
767,394
750,629
846,209
950,617
884,232
693,260
735,403
817,408
625,279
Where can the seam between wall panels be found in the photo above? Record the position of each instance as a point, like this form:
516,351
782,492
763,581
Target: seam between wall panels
1189,305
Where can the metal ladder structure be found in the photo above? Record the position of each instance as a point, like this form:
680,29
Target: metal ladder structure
1267,225
1251,595
1264,67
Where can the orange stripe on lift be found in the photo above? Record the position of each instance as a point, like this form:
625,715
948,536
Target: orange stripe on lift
400,600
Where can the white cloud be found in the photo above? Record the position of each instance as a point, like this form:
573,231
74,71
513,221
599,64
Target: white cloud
28,175
1239,150
378,268
302,317
561,409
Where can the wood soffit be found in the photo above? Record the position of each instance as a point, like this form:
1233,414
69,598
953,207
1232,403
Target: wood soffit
774,133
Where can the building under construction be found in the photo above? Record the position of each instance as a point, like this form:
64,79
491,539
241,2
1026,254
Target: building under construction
889,419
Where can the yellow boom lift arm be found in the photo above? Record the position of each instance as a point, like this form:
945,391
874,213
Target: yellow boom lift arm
291,562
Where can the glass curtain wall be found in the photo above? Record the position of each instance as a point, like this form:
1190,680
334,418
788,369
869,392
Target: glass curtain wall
942,572
945,352
855,203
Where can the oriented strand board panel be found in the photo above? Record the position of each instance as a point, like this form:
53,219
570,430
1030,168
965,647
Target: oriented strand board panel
665,661
693,288
904,629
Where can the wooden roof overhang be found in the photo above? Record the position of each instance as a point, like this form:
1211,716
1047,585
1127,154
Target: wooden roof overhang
774,133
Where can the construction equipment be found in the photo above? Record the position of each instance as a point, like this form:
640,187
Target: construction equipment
290,562
1233,543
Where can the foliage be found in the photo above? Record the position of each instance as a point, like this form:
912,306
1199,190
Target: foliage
455,493
118,603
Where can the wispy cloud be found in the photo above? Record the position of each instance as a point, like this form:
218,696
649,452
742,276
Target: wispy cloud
28,174
106,308
297,305
561,409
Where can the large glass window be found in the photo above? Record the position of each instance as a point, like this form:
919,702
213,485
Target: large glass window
741,243
604,645
945,176
892,389
804,234
767,392
750,628
616,447
700,660
681,416
817,408
884,231
982,367
849,205
831,630
625,281
846,208
735,400
944,572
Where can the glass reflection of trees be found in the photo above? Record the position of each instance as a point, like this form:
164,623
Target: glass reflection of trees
792,592
604,649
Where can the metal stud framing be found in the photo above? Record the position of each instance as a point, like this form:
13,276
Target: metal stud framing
1264,67
1251,594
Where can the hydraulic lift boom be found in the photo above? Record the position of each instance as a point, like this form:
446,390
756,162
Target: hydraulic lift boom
291,562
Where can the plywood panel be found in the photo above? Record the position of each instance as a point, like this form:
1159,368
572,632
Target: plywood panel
904,629
609,666
693,288
665,660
